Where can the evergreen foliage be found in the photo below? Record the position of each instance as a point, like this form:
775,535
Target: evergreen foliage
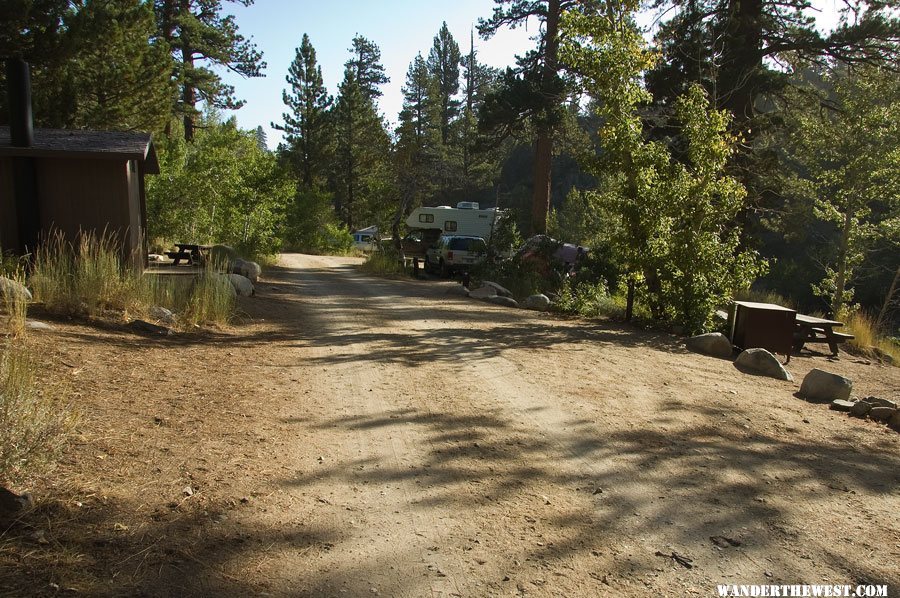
307,139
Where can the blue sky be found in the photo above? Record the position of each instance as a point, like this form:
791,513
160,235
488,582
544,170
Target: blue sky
401,28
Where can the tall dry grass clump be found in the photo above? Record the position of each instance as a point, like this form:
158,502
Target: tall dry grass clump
211,299
89,278
867,337
33,422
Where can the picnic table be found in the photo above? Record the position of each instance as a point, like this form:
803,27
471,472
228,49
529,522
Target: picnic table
190,252
810,329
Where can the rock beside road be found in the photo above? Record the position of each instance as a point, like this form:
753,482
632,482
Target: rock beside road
761,363
537,303
11,289
500,290
504,301
484,292
842,405
242,285
713,343
823,387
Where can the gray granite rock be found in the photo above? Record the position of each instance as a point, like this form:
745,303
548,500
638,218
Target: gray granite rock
762,363
713,343
823,387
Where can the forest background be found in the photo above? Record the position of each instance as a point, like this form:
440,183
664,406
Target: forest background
740,145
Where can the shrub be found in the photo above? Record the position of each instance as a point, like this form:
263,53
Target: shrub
383,263
33,422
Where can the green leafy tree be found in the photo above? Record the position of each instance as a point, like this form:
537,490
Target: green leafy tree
847,146
670,216
479,162
307,143
202,39
221,188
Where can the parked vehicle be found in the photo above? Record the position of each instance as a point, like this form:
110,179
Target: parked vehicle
455,253
417,241
364,239
466,219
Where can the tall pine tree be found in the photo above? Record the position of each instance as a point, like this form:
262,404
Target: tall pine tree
365,64
362,150
306,126
200,38
443,63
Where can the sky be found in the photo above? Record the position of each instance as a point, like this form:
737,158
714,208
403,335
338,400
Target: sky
401,28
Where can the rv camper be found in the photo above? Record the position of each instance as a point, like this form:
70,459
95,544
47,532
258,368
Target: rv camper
465,219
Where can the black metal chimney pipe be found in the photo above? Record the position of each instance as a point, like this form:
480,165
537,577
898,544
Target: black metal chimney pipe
24,168
18,84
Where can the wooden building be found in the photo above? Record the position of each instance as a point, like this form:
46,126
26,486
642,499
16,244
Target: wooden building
70,181
85,181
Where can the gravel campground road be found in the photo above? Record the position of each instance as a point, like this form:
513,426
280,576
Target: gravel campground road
370,437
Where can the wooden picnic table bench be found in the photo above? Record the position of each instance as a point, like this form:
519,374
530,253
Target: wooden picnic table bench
810,329
190,252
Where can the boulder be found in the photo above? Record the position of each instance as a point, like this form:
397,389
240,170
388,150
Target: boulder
142,327
713,343
878,402
457,290
842,405
882,414
882,356
11,289
820,386
504,301
249,270
35,325
162,314
537,303
501,290
242,285
11,504
860,409
484,292
894,422
761,363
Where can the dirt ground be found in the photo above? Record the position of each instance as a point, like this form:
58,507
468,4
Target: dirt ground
358,436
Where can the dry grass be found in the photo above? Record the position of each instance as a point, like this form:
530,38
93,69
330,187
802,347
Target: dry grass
15,305
33,421
867,338
383,263
91,279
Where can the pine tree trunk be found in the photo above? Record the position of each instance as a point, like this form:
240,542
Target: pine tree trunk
543,147
882,315
540,203
840,282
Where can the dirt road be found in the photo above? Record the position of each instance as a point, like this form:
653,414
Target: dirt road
360,437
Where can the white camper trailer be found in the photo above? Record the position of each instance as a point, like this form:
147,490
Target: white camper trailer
465,219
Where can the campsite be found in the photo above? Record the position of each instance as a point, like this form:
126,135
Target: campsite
504,298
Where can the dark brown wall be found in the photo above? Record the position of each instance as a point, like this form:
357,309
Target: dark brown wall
9,237
79,194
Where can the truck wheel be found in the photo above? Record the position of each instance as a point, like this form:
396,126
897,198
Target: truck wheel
445,271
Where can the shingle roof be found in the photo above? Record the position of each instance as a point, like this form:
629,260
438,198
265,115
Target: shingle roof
59,143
